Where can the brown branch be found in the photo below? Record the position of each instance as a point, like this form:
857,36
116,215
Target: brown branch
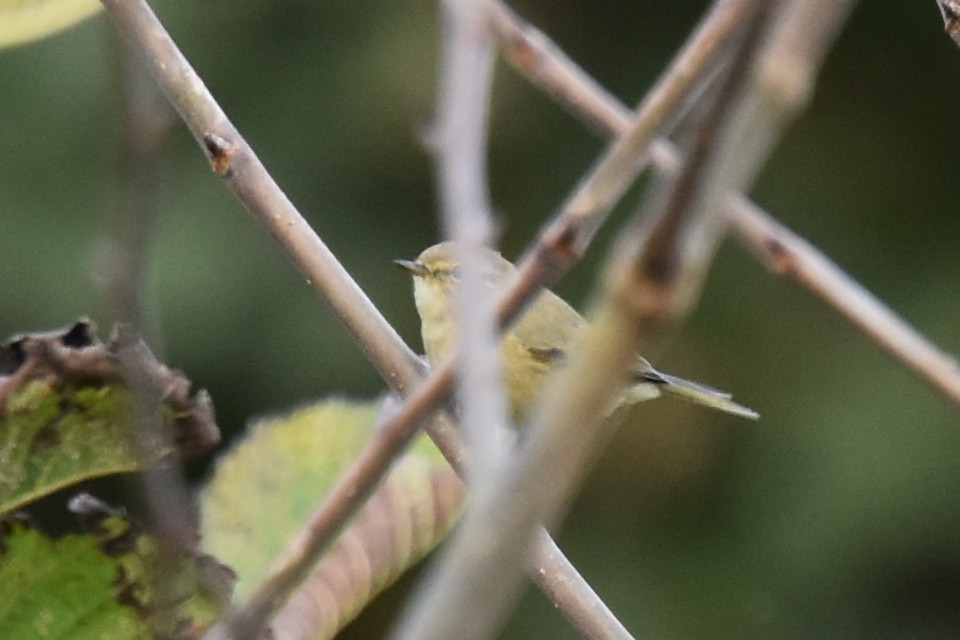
122,257
787,254
459,139
473,590
566,237
246,177
686,226
950,10
233,159
546,67
582,607
584,211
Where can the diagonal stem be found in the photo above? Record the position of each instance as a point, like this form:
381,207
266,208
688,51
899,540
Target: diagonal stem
403,371
537,58
474,589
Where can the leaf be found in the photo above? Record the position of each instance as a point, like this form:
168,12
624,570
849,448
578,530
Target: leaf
264,489
25,20
60,589
66,412
105,583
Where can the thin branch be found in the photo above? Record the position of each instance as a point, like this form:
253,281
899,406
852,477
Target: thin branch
460,146
585,209
583,608
786,253
122,257
232,158
538,58
353,487
683,242
474,589
566,237
950,10
146,123
244,174
687,226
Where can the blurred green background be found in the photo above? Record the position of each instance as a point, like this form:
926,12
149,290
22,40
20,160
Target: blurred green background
836,516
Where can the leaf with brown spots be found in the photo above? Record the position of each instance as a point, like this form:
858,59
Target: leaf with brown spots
110,580
66,412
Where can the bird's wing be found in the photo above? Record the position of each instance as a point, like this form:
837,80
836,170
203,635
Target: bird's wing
548,327
547,355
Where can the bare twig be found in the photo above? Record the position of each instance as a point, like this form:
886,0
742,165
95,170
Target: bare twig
537,57
464,196
473,590
583,608
682,243
586,208
686,228
781,249
146,122
950,10
786,253
460,143
244,174
566,237
232,158
346,497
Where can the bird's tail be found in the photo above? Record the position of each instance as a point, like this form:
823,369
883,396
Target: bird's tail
699,393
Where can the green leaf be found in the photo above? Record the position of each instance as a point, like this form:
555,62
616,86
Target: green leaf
113,582
60,589
66,412
264,489
50,439
25,20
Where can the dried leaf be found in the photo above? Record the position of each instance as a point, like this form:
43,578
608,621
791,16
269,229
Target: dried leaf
265,488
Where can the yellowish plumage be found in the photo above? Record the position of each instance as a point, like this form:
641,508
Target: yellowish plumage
536,343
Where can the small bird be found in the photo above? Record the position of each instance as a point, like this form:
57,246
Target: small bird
536,343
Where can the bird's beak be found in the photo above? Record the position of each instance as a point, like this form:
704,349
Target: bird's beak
415,267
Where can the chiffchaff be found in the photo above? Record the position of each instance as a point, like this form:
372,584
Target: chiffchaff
535,344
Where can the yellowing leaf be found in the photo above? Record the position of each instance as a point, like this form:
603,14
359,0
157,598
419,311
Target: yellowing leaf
25,20
50,439
66,413
264,489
